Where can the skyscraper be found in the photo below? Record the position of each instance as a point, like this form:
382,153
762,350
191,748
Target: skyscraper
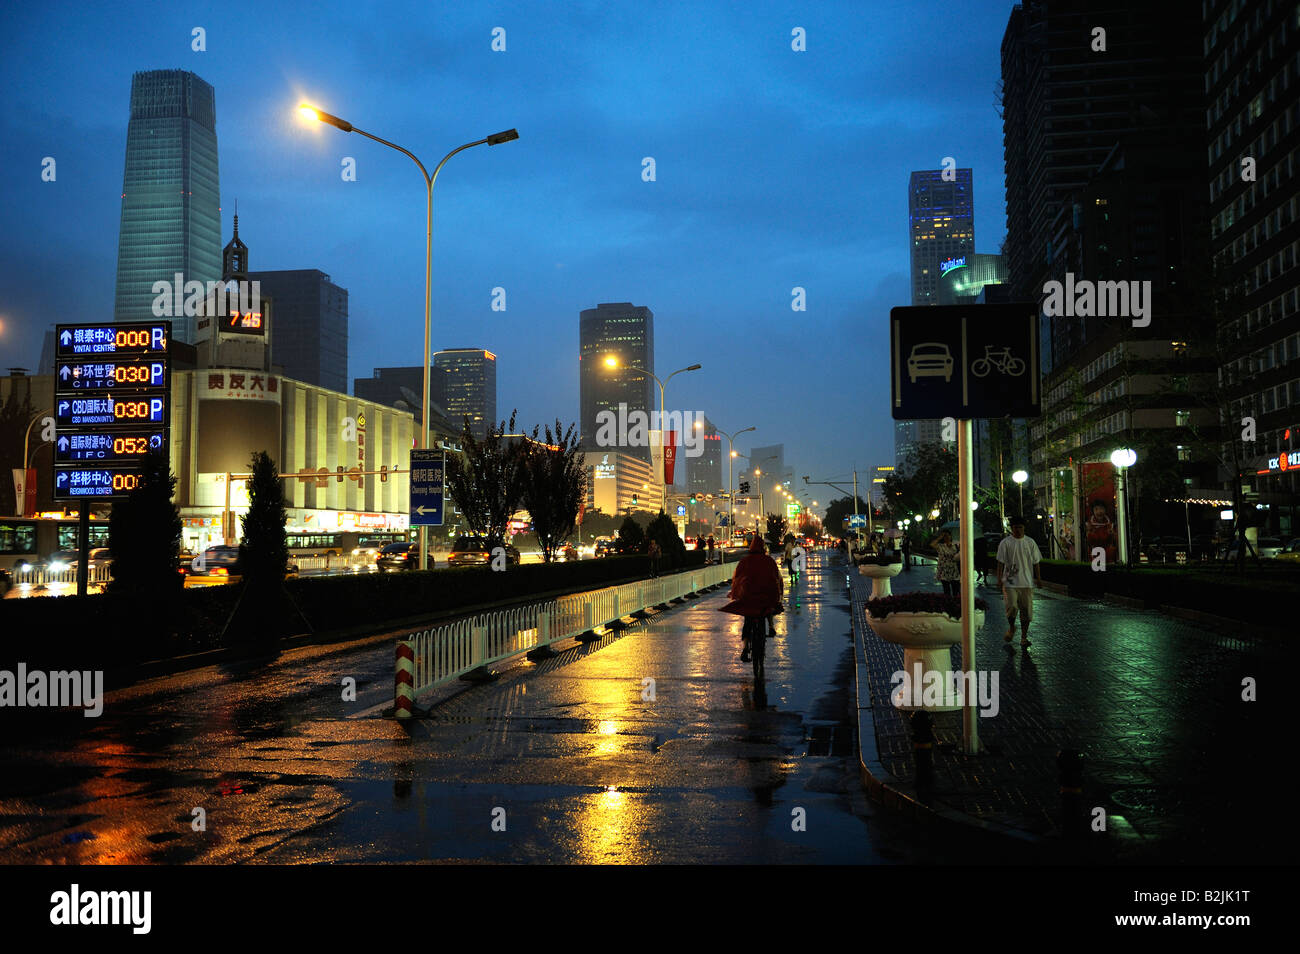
468,386
627,332
171,219
941,228
704,473
309,338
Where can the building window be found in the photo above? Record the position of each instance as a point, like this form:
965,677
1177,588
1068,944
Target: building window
1184,452
1182,418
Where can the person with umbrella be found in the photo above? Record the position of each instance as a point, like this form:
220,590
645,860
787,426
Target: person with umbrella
755,594
947,567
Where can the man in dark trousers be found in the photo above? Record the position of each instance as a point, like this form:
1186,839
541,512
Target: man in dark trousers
907,552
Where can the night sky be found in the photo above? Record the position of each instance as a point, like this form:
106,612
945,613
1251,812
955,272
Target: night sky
774,169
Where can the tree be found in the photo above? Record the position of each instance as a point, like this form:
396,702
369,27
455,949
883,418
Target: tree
553,485
663,531
144,532
631,538
486,481
837,510
264,549
928,480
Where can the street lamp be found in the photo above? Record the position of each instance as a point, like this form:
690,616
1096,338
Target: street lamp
1123,458
731,487
1020,477
309,113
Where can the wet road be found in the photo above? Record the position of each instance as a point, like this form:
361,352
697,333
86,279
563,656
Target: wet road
570,760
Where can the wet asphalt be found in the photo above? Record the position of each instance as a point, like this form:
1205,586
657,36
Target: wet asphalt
651,745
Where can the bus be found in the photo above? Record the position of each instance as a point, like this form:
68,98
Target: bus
31,540
352,546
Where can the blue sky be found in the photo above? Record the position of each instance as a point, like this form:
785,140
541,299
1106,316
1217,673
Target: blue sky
774,168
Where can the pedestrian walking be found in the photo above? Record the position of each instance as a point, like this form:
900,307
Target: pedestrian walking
710,549
789,549
907,552
947,567
1019,573
755,594
654,553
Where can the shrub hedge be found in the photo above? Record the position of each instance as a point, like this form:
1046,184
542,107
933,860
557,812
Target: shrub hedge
108,631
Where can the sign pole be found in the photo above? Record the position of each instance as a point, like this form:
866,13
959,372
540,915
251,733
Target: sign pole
966,482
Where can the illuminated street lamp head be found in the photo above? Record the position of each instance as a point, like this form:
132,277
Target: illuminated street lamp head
1124,457
307,111
611,361
1020,476
497,138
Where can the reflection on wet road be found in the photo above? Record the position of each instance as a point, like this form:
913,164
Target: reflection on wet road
652,745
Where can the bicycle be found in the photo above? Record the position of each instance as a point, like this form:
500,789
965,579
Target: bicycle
755,633
999,358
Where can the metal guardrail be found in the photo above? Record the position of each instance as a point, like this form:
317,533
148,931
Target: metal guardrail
43,576
430,657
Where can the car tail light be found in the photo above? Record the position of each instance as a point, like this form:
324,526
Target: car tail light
219,571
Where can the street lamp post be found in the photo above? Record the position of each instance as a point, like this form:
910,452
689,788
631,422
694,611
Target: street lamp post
1123,458
612,362
731,486
310,112
19,505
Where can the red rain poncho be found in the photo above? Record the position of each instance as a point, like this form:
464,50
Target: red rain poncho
756,587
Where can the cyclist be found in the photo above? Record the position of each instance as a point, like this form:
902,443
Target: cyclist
755,595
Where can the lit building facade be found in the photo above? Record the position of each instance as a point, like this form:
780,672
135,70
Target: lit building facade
627,332
618,483
171,219
466,387
941,227
704,473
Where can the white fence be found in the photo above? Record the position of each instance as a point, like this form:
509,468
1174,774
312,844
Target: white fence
43,576
430,657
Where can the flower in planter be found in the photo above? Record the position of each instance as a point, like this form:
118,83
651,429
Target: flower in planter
949,606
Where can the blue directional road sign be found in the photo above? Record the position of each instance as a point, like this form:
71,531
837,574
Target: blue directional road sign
681,510
428,468
964,361
108,448
857,520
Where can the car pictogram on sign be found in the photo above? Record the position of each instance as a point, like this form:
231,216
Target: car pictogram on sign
930,359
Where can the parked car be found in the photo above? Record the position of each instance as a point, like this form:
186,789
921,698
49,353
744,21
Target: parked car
1266,547
398,556
221,565
1291,552
1165,549
566,551
473,551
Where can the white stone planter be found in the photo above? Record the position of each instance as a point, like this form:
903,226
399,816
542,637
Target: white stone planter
880,577
926,639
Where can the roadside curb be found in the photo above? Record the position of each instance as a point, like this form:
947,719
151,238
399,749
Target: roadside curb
887,790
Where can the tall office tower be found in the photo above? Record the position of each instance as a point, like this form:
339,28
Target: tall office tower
704,474
626,332
1253,112
1064,106
468,387
171,221
941,228
310,336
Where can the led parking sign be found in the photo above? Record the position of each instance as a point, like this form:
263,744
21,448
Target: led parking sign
111,406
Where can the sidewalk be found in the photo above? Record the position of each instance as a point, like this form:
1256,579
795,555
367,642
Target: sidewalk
1184,769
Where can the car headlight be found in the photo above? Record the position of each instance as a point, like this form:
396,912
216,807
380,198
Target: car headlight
25,567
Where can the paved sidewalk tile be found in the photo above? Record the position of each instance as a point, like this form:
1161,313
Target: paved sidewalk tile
1182,766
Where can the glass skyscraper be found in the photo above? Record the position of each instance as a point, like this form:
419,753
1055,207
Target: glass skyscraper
171,219
627,332
941,222
468,385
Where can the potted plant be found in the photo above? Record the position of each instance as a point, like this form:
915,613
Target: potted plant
880,568
926,625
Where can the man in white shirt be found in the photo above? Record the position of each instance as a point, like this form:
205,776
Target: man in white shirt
1018,573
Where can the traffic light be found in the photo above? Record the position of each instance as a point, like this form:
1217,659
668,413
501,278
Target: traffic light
744,486
692,500
634,498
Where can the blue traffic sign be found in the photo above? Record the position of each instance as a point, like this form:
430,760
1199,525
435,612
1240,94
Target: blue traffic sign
857,520
428,467
681,510
135,337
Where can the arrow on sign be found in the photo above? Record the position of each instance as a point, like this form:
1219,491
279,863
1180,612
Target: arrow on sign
63,406
63,443
422,510
63,479
64,372
65,337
